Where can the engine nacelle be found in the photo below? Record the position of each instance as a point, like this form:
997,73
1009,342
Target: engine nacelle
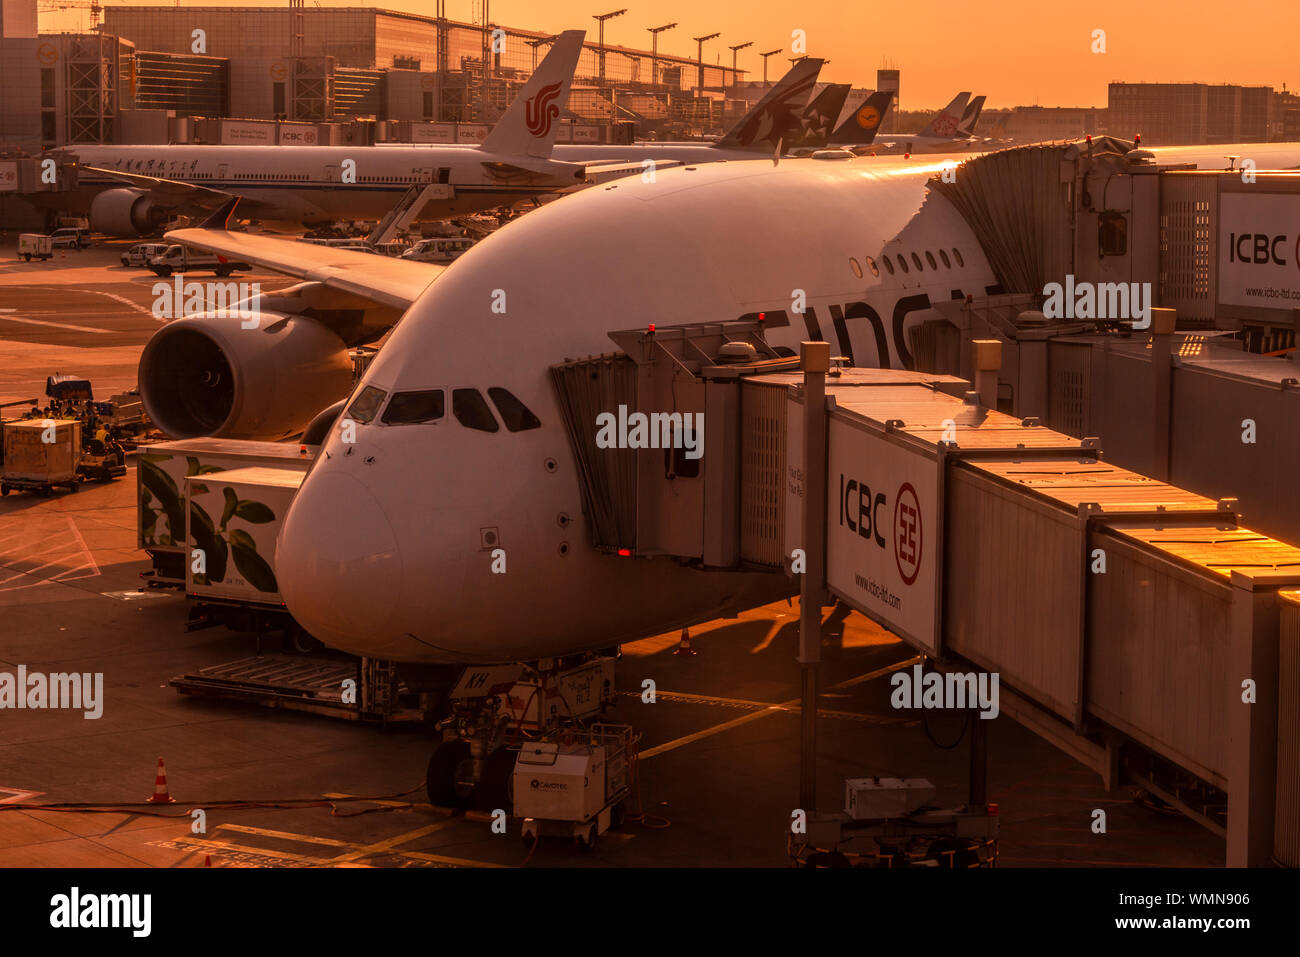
125,212
207,375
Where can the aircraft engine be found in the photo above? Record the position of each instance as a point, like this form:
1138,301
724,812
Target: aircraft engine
206,375
125,212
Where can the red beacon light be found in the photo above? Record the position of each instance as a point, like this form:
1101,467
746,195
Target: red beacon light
993,810
625,553
1137,139
650,329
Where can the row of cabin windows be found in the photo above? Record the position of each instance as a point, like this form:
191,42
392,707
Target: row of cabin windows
429,405
902,262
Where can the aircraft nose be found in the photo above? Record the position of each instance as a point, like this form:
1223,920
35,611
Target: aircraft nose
337,562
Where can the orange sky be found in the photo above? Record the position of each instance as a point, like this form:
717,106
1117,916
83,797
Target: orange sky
1015,51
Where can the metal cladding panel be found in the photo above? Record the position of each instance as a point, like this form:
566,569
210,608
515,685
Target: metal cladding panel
1069,378
1189,206
1158,652
1286,821
1072,482
1210,451
762,481
1219,549
1011,587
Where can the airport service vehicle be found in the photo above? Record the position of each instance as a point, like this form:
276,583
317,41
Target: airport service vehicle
41,455
440,249
178,259
132,190
142,253
575,782
70,237
161,507
35,246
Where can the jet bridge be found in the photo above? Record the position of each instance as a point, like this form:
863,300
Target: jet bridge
1138,626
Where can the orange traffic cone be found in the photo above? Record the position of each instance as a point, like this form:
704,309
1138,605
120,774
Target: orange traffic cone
684,648
160,795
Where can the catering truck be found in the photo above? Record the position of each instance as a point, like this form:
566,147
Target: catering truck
161,507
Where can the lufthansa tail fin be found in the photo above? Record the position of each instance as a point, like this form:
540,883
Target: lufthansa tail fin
529,126
820,114
776,116
945,122
971,117
861,126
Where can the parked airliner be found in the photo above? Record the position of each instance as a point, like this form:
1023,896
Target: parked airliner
460,446
130,190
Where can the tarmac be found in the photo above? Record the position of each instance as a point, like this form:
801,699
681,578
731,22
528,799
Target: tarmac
720,746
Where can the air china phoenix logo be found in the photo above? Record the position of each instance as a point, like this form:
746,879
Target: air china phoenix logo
540,111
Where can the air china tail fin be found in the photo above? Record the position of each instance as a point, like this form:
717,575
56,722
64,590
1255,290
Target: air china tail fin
860,127
820,114
776,115
945,122
529,126
971,117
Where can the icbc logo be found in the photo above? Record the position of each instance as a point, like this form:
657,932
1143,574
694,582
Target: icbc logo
907,533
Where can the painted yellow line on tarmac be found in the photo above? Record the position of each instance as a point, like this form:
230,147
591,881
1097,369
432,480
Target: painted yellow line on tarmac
392,842
784,706
284,835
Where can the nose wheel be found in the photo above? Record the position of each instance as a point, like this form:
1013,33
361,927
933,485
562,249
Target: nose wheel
450,780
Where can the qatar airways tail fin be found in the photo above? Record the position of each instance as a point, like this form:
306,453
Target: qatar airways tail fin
775,118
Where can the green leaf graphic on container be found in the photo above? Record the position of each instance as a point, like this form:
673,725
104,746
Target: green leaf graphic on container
160,486
242,547
212,544
250,564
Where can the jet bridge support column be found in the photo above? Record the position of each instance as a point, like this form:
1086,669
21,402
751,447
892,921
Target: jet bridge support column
815,360
1253,638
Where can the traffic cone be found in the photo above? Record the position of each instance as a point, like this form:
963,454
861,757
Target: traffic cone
684,647
207,860
160,795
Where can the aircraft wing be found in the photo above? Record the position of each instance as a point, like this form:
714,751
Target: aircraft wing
167,191
379,279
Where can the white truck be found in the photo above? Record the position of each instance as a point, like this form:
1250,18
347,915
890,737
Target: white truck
35,246
178,259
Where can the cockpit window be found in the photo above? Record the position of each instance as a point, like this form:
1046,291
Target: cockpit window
517,416
409,407
471,410
365,405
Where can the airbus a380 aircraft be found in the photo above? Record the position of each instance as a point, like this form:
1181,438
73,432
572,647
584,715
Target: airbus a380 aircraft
459,427
130,190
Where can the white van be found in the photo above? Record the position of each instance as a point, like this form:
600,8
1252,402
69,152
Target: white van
179,259
35,246
142,253
438,250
